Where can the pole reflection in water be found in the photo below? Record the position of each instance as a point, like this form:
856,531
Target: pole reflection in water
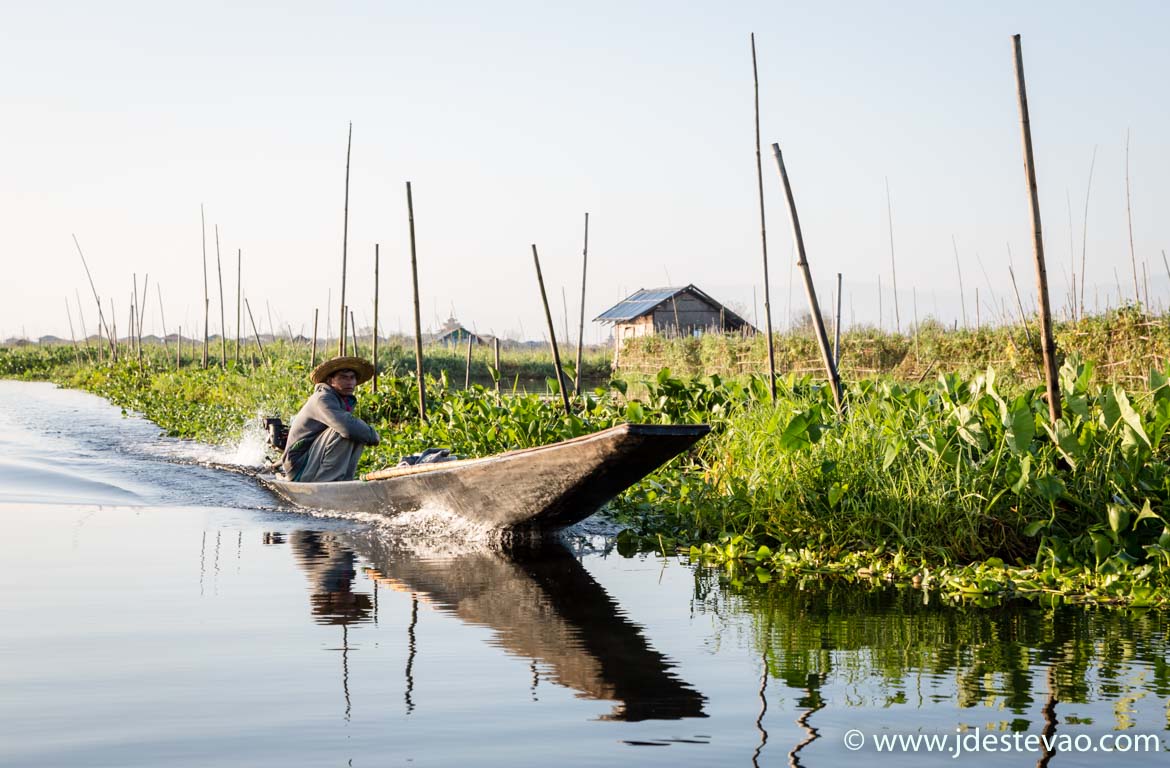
331,568
537,599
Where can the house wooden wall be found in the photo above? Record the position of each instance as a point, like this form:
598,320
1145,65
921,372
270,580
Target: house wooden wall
693,313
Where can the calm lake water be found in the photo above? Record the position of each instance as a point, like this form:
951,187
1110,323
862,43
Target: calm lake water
157,612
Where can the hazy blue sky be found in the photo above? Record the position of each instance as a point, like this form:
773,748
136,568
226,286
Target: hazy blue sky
512,119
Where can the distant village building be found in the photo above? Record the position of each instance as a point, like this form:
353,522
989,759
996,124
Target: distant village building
453,334
684,311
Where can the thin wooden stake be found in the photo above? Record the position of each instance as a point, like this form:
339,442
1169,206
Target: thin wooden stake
467,367
72,335
239,296
1020,305
809,288
313,354
581,327
1048,344
206,300
1137,296
344,242
1085,226
163,315
84,332
893,267
353,333
914,300
418,350
133,319
179,349
959,268
764,234
499,375
255,332
374,342
552,336
101,316
142,311
114,330
837,327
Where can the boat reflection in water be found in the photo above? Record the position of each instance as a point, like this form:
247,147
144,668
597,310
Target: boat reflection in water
535,596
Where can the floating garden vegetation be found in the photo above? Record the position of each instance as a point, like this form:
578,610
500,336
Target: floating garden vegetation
958,486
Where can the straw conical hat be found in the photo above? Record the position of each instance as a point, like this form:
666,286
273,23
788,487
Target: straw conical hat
359,365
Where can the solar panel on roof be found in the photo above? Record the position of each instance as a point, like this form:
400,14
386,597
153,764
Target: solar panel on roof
638,304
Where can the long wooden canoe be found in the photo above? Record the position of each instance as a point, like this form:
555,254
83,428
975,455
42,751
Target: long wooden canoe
549,486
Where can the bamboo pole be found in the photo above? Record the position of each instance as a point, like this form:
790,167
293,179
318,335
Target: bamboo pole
255,332
101,316
581,327
222,311
1048,345
206,300
1020,305
239,294
1072,258
467,367
374,342
837,327
764,232
499,376
353,333
133,317
163,316
114,330
1085,225
345,242
142,308
914,304
1137,296
313,354
552,336
179,349
893,266
85,333
809,288
72,335
959,269
418,351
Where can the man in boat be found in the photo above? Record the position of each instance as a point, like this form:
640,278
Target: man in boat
325,439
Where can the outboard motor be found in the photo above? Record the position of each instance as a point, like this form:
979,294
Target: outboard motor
277,432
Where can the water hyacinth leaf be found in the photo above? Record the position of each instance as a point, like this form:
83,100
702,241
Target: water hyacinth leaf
1065,441
1102,546
1025,474
1077,403
1050,487
635,413
1118,517
893,449
1148,513
970,430
836,491
1128,415
1019,426
1035,527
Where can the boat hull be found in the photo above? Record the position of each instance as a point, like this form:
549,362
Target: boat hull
546,487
